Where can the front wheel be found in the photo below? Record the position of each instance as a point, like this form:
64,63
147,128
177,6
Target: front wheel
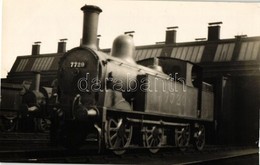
118,135
8,123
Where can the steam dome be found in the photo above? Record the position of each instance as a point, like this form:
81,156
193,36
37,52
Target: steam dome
123,48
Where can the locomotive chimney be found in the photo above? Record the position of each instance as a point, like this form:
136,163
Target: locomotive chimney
36,48
62,45
90,25
170,37
214,31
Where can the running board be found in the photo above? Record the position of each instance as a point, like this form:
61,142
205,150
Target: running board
161,122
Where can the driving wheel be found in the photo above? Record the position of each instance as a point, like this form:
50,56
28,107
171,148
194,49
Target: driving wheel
199,136
182,137
152,138
119,134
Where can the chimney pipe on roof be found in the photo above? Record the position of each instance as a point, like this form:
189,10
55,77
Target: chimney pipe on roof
200,39
36,48
214,31
62,45
90,25
170,37
240,36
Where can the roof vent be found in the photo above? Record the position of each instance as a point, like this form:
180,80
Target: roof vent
36,48
170,37
160,43
240,36
214,31
62,45
200,39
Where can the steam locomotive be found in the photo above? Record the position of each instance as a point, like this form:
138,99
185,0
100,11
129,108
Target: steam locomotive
26,106
152,103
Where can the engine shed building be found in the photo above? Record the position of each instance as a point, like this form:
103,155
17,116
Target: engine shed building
232,66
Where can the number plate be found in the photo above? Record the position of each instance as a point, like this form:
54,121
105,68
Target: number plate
77,64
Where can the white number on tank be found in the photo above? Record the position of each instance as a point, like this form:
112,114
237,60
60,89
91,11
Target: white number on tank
77,64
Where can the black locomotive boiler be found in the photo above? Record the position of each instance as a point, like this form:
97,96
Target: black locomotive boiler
156,103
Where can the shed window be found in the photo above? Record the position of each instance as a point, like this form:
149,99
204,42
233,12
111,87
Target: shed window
249,51
42,64
224,52
21,65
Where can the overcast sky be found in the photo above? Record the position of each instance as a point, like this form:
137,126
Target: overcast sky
27,21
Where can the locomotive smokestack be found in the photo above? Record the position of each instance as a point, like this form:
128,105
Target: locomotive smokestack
90,24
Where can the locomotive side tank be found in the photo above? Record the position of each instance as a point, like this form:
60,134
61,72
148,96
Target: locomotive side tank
113,97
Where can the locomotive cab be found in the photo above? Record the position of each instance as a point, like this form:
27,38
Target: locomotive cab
182,71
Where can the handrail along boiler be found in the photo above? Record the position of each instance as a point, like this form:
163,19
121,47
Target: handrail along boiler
151,103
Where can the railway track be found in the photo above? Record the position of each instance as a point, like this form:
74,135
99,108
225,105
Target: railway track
44,153
238,159
165,157
15,136
35,147
14,141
